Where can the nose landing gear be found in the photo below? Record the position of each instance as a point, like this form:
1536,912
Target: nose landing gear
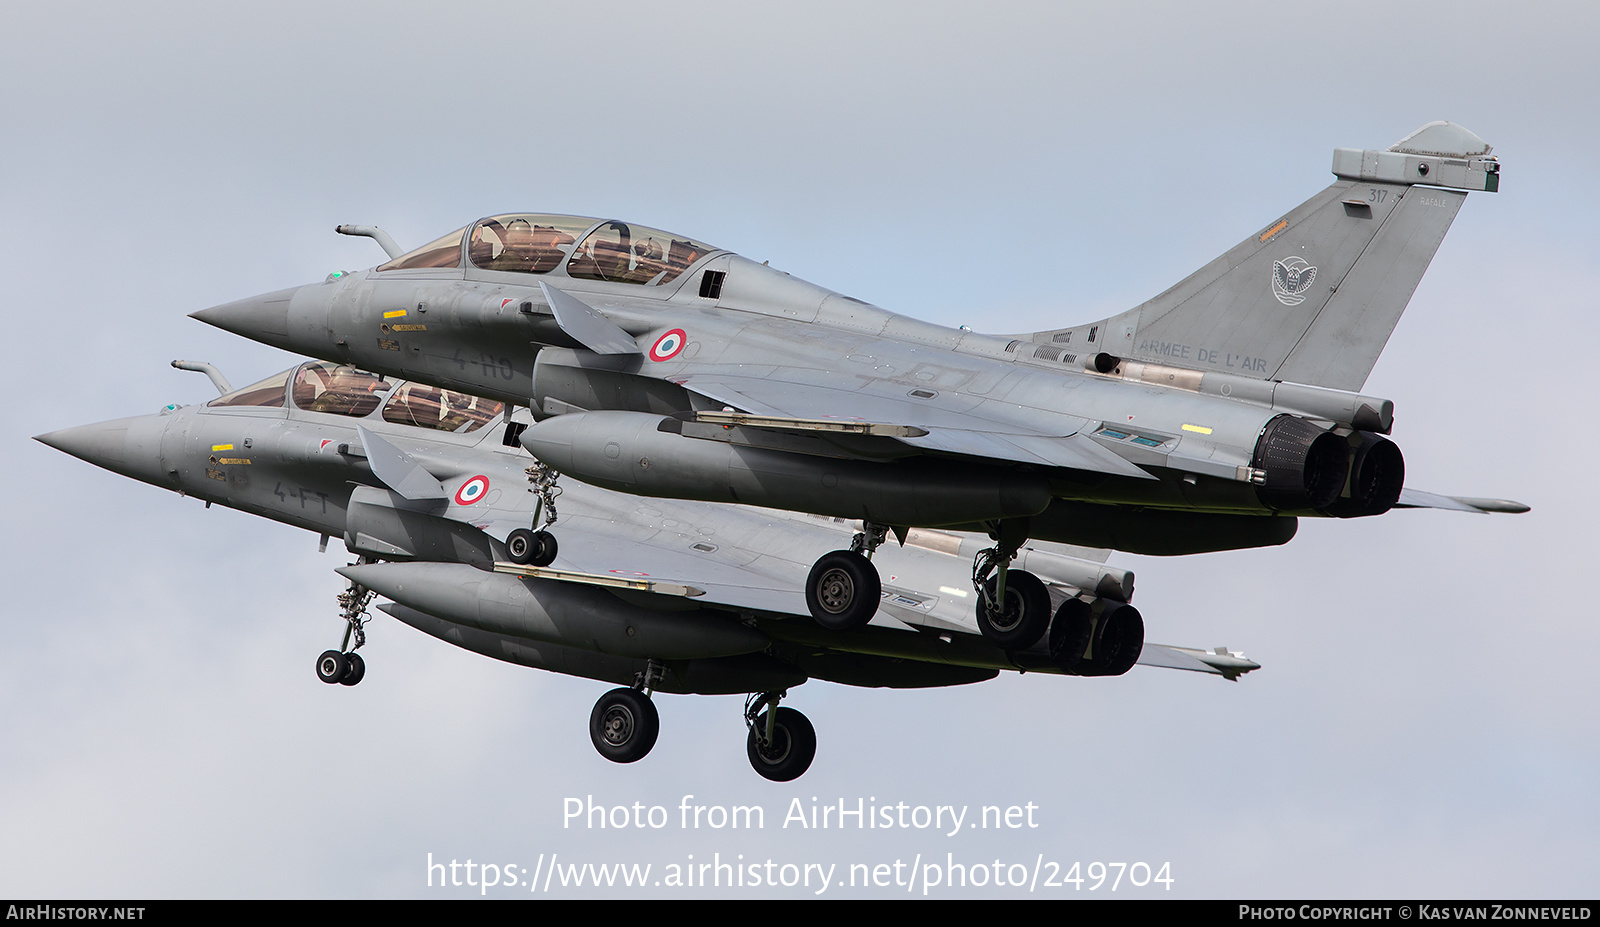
344,666
536,546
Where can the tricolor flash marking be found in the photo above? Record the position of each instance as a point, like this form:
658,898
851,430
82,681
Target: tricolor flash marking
222,447
668,345
472,490
1197,429
506,301
394,313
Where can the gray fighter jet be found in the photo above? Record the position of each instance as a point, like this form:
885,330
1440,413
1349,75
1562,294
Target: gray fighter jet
1208,418
431,491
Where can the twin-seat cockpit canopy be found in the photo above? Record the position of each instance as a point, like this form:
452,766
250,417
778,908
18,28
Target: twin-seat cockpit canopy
586,249
334,390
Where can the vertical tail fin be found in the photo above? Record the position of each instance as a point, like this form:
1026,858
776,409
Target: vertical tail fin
1313,297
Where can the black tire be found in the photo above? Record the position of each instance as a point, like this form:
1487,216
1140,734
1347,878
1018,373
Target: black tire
843,590
1024,617
1069,634
544,552
1118,641
793,747
521,546
355,669
624,725
331,666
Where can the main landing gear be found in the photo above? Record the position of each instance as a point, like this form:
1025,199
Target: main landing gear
782,743
1013,611
624,726
1013,605
344,666
624,723
843,589
536,546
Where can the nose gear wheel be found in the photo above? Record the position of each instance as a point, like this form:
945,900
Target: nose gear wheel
536,548
344,666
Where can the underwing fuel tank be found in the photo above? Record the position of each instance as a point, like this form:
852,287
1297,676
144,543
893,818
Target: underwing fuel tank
574,615
736,675
639,453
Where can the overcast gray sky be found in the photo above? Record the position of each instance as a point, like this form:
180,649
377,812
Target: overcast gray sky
1423,724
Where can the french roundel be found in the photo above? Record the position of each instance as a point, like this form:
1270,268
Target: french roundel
472,490
668,345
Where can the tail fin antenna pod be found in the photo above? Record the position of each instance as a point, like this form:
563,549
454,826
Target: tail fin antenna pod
1312,297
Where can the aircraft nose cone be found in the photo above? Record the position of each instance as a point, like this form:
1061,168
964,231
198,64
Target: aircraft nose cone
129,446
103,444
263,318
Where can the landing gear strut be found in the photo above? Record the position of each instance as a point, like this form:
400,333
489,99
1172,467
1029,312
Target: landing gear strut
1016,617
782,742
624,724
843,589
536,546
1013,605
344,666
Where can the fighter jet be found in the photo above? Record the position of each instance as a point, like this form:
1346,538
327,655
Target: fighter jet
1210,417
429,489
